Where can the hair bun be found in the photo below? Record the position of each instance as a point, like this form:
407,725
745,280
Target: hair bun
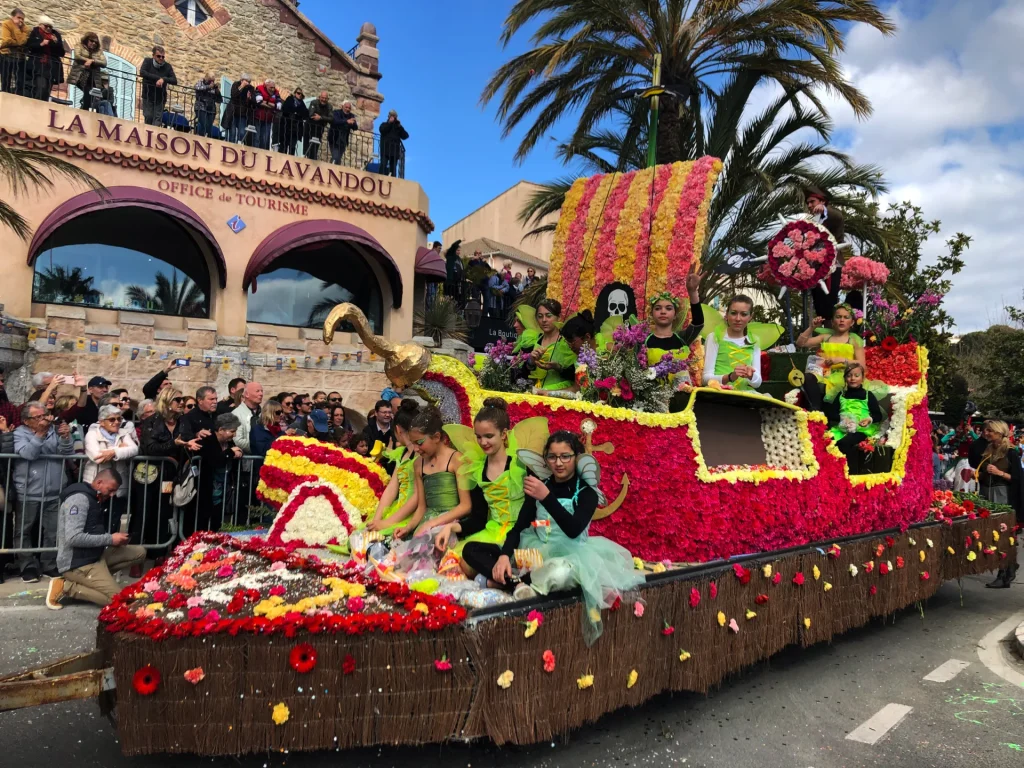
587,315
409,405
496,402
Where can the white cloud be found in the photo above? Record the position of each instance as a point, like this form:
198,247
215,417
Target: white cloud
948,129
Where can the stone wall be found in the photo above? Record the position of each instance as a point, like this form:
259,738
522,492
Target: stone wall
265,38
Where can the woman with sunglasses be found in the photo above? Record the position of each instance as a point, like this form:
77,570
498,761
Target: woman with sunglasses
555,521
111,443
287,401
266,429
997,470
152,508
188,404
440,499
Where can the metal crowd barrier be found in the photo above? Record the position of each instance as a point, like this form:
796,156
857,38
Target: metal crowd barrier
180,108
152,519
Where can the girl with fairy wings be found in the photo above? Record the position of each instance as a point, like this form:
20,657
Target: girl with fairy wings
667,332
555,520
492,473
838,346
399,499
732,354
552,363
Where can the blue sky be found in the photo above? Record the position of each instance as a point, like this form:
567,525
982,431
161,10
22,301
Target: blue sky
948,125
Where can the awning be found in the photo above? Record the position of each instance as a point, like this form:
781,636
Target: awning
430,264
302,234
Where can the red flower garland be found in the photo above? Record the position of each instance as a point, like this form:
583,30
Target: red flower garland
302,658
288,512
465,414
146,680
897,367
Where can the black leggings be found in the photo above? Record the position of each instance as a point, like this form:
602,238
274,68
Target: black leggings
855,457
483,557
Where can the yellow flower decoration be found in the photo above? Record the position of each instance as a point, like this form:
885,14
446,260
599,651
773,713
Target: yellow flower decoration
995,535
275,607
807,623
685,655
631,680
505,679
971,556
721,619
280,714
951,550
921,556
421,608
750,614
638,563
658,568
766,571
827,586
817,572
155,607
595,616
531,628
584,682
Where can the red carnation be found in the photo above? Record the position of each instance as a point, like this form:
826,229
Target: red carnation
883,568
743,574
761,599
668,629
694,597
889,344
713,589
776,578
617,604
798,579
968,505
984,513
146,680
348,665
873,590
900,562
889,541
925,576
302,658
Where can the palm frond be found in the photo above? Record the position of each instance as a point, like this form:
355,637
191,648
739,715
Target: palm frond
441,320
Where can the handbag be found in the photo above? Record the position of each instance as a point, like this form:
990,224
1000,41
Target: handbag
186,484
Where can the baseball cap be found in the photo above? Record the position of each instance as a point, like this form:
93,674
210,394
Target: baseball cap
98,381
319,420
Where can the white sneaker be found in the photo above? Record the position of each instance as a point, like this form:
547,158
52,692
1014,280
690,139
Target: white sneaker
524,592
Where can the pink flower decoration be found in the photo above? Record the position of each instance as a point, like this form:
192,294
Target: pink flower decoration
278,566
194,614
733,625
212,616
442,664
225,572
354,604
194,601
694,597
638,609
713,589
537,616
277,590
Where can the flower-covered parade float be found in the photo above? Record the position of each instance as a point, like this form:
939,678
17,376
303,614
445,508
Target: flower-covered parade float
751,530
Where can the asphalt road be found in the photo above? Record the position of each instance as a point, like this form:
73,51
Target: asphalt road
796,709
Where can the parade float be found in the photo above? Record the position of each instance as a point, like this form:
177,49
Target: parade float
752,532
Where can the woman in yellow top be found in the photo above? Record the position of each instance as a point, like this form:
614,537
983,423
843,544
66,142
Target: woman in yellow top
838,348
13,36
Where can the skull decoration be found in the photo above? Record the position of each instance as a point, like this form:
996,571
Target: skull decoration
615,300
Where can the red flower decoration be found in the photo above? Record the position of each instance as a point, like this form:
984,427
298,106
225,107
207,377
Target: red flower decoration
834,551
761,599
883,568
873,590
776,578
879,550
869,566
889,344
968,505
302,658
713,589
984,513
743,574
146,681
694,597
617,604
890,541
442,664
278,590
549,661
800,255
668,629
798,579
900,562
348,665
925,576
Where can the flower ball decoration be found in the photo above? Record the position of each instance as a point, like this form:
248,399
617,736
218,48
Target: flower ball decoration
316,514
302,658
801,255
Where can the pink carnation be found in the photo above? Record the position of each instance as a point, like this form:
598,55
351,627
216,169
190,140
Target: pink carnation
859,271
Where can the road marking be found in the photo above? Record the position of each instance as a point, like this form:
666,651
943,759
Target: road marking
13,608
947,671
883,721
995,653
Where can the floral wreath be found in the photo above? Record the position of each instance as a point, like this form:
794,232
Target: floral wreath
801,255
665,296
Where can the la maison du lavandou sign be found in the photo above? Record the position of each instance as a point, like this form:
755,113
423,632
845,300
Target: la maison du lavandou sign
230,155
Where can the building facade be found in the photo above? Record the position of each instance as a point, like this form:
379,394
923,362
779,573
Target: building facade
223,253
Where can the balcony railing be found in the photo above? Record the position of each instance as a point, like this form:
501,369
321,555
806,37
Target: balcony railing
205,113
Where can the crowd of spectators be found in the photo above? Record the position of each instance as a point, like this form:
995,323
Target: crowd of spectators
496,289
84,441
32,63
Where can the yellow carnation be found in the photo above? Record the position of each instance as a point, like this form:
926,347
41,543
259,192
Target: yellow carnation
807,623
631,680
721,619
921,555
766,571
584,682
685,655
531,628
505,678
281,713
827,586
817,572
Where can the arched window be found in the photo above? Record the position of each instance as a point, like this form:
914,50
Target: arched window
302,286
122,74
125,258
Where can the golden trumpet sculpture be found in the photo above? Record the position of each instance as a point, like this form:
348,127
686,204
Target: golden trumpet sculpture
404,364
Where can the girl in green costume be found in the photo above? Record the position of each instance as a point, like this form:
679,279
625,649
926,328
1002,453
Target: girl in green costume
492,473
838,347
525,325
552,359
732,354
439,498
399,499
854,416
667,333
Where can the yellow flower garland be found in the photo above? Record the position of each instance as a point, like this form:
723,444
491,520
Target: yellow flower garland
585,296
568,216
628,234
663,226
355,488
275,607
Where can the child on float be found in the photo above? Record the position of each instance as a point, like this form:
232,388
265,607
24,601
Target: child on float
399,499
493,474
732,353
440,500
579,330
854,416
555,521
552,360
527,330
838,348
667,332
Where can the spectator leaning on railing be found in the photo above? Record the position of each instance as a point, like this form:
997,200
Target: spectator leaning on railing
157,73
268,105
238,115
87,554
265,430
207,98
38,482
13,37
87,70
343,122
294,121
320,115
247,412
45,68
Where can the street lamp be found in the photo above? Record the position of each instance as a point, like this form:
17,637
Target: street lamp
474,312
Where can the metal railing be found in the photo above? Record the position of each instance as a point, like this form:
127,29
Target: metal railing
204,112
28,523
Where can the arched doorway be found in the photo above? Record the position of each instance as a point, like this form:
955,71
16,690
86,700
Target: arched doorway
306,268
130,248
123,82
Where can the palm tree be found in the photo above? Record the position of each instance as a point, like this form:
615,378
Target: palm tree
27,169
765,170
591,57
171,297
60,284
441,320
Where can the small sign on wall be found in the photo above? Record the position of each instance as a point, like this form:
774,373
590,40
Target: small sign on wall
235,224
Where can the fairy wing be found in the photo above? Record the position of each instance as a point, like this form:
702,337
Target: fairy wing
765,334
528,317
712,320
535,463
473,456
590,472
530,434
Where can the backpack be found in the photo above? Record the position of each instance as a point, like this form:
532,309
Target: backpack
186,484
